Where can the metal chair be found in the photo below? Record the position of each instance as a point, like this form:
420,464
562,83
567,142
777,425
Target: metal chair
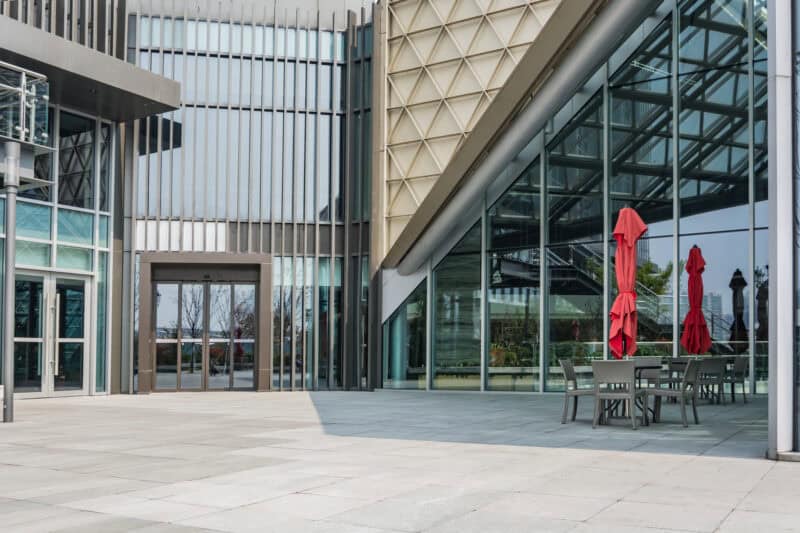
616,381
712,377
687,390
741,366
571,389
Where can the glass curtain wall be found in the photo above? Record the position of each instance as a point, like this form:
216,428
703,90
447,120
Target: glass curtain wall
673,125
404,361
65,226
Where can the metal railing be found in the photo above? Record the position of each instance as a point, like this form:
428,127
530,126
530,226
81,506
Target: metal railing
24,97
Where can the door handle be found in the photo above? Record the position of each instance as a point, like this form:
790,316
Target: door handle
55,334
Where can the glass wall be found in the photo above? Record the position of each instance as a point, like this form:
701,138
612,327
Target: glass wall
672,125
404,361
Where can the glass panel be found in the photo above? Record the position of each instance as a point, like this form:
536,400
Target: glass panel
33,221
575,177
277,278
244,312
219,365
712,34
575,305
513,277
166,311
404,343
69,367
299,268
166,366
191,365
714,188
75,227
761,290
338,326
103,231
76,161
219,322
192,311
28,366
102,321
28,308
308,298
287,336
74,258
105,165
244,365
727,288
72,308
324,320
32,253
457,320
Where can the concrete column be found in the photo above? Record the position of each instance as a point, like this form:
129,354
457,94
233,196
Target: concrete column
145,340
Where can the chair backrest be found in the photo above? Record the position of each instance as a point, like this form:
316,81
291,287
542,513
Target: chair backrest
691,373
614,373
741,365
650,374
570,377
713,366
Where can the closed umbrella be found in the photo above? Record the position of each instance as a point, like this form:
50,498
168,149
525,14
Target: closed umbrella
623,313
739,335
695,338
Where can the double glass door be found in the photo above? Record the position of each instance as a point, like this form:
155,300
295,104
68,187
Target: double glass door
205,336
51,334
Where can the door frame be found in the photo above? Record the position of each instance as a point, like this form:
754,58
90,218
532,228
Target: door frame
50,334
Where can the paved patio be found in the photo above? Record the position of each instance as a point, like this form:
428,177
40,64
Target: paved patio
384,461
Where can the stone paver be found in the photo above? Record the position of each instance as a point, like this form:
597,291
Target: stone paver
333,462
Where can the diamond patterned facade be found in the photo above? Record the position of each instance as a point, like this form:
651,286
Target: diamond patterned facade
446,60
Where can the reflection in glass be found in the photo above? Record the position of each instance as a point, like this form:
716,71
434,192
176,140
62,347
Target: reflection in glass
243,365
68,372
191,365
404,343
219,311
219,365
727,289
712,34
28,308
761,319
287,336
513,280
28,366
76,161
277,277
72,308
324,320
456,320
192,310
244,311
166,366
166,311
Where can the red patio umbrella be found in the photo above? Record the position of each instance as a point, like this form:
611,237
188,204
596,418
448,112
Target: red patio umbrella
695,338
623,313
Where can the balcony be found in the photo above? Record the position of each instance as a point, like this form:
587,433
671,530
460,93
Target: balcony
24,97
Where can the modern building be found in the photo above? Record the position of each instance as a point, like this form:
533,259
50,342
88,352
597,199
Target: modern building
412,194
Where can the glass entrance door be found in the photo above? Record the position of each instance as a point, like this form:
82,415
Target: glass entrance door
51,334
205,336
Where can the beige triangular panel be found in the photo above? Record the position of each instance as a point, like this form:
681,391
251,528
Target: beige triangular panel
405,57
464,33
423,115
530,25
465,82
498,5
424,42
544,9
485,40
424,164
518,51
444,73
445,49
465,9
426,18
403,201
484,66
395,226
507,65
402,156
505,23
422,186
443,7
484,103
444,148
443,124
464,108
404,130
404,83
426,91
403,14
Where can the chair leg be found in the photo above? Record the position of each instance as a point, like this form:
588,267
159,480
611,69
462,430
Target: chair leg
566,406
744,394
632,410
657,409
733,391
596,416
683,411
694,409
574,408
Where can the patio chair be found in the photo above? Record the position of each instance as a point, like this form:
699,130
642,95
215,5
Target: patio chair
686,391
571,389
652,376
616,381
738,374
712,373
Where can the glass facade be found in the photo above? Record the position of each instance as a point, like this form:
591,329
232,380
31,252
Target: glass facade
63,228
672,124
267,154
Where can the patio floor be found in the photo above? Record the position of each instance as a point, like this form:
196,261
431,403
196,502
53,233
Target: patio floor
383,461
